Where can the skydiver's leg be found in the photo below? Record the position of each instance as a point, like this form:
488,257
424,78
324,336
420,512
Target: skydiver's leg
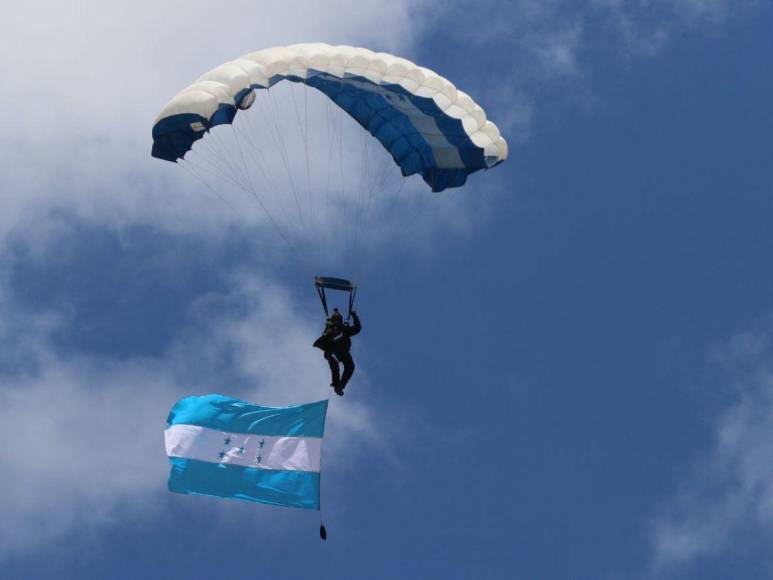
346,358
335,371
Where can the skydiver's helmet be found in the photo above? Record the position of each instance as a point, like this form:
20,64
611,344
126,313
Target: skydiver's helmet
336,317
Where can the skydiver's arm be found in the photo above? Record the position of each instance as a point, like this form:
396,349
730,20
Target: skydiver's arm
355,329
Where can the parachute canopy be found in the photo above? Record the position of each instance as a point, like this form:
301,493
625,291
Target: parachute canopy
426,124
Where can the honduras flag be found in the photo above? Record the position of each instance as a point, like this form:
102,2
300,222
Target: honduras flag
229,448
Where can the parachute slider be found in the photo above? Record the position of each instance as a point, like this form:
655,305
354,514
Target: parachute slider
323,282
334,283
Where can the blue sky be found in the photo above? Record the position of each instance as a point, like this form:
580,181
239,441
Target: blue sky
565,368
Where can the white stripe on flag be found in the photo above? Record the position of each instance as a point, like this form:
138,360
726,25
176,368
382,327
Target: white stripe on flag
261,451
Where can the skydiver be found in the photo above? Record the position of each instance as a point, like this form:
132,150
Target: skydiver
335,343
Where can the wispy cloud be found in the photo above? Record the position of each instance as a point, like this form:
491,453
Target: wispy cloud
647,28
731,491
88,78
79,140
545,54
84,432
86,425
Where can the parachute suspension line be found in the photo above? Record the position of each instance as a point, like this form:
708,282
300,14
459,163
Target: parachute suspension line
361,195
307,144
218,148
285,156
264,169
329,142
345,185
291,88
363,270
222,166
212,167
307,136
338,183
306,130
190,168
267,212
378,185
329,123
430,199
342,182
395,201
276,136
335,212
343,208
215,172
421,204
231,172
304,136
187,167
241,178
211,162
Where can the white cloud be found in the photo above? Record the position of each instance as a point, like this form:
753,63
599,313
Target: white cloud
87,80
84,434
732,490
90,77
81,439
534,45
84,82
646,28
545,50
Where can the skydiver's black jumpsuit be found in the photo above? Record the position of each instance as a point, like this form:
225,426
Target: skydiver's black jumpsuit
336,346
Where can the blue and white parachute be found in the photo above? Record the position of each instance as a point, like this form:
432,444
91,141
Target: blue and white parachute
427,125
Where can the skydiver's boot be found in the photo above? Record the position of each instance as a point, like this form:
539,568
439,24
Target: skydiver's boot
348,362
336,383
335,373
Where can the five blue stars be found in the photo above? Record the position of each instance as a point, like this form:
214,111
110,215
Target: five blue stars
242,448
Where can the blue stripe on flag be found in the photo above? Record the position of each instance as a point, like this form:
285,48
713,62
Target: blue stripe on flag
234,416
286,488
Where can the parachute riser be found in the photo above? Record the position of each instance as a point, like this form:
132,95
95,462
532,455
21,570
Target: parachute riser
352,294
321,292
335,284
